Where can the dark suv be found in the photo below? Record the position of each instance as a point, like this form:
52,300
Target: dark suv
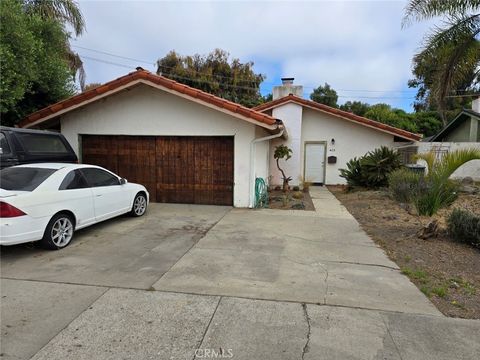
25,146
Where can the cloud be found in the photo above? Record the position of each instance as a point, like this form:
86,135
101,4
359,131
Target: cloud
351,45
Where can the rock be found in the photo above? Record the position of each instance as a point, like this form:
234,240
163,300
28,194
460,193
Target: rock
429,230
391,217
300,206
467,180
468,189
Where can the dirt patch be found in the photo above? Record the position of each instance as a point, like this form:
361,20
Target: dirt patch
446,271
292,200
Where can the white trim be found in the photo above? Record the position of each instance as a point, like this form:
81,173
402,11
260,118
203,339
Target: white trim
163,88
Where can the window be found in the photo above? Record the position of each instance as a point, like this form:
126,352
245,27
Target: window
42,143
73,180
4,147
99,177
23,178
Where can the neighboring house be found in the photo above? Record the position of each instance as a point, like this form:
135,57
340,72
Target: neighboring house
465,127
324,139
460,133
188,146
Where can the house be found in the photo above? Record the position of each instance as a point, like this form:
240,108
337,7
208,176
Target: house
324,139
183,144
465,127
463,132
189,146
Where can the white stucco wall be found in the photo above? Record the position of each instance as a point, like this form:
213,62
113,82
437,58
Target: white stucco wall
291,115
471,169
148,111
351,140
262,152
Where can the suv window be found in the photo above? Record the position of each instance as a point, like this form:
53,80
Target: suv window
42,143
99,177
73,180
4,147
23,178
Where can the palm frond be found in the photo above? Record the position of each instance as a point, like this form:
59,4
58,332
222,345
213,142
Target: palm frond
429,157
66,11
454,159
454,55
419,10
75,64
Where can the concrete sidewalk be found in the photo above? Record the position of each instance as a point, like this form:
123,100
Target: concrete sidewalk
133,324
251,284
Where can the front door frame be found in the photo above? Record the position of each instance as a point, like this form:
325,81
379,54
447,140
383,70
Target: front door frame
324,143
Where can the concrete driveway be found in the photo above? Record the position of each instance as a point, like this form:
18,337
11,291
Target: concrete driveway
189,282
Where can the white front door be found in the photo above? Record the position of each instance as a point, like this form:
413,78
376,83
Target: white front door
315,163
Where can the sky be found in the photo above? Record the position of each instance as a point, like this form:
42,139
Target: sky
358,47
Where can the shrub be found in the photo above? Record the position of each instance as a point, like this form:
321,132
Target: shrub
403,184
353,173
372,169
434,195
439,190
464,226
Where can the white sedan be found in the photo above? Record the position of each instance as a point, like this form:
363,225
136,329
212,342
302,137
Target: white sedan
49,201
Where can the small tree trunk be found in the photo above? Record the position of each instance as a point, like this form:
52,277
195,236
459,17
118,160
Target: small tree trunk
284,178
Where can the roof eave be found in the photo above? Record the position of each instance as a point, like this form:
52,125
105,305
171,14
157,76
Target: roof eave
292,99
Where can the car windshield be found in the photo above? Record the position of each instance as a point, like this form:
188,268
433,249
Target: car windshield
23,178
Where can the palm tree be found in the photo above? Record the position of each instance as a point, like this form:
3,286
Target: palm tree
451,50
66,12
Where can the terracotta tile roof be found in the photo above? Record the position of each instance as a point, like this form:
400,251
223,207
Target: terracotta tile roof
144,76
340,113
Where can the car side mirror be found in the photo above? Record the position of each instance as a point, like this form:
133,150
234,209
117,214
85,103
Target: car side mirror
123,181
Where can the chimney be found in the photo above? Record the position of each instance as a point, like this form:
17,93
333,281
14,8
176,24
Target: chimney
287,88
476,105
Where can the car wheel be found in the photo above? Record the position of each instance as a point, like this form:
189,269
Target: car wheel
59,232
139,205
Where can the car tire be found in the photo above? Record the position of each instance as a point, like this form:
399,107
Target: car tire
59,232
139,207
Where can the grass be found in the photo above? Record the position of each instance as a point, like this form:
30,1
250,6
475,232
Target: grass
467,287
420,275
429,289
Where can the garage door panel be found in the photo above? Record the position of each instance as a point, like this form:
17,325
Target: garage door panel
194,170
100,150
136,161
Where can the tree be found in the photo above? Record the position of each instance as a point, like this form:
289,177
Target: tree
216,74
33,67
64,12
325,95
283,152
450,58
426,123
357,107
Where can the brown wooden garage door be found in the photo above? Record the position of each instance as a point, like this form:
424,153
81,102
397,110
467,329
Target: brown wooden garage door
176,169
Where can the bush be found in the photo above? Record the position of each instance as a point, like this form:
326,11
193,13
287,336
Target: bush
372,169
353,173
434,195
403,184
464,226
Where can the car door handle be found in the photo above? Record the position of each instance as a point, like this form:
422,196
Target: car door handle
98,195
